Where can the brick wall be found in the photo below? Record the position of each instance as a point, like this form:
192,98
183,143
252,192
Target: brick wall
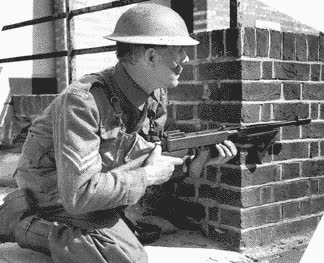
251,75
214,15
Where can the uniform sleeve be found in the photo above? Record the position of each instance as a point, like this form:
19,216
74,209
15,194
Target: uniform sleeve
81,184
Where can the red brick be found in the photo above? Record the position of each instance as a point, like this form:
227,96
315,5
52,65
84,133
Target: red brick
267,68
206,191
267,235
249,42
213,213
184,112
305,207
288,111
313,91
315,72
191,50
312,168
290,132
243,178
217,47
291,91
313,130
290,210
266,112
251,70
266,195
292,150
321,48
317,205
301,47
251,197
250,113
226,91
212,173
290,171
313,186
228,197
224,235
321,185
260,91
230,217
220,112
185,190
291,71
185,92
260,216
313,47
204,46
224,70
292,190
314,150
314,111
289,46
275,44
233,42
187,73
262,39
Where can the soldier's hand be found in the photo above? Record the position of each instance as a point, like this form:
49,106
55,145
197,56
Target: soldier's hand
226,151
159,168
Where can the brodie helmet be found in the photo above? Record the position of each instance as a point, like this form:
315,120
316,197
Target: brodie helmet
152,24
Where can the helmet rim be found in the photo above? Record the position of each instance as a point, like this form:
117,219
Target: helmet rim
154,40
154,24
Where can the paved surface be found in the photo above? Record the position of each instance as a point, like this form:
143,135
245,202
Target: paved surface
183,246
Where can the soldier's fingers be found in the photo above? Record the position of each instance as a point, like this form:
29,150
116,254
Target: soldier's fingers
176,160
226,150
221,153
231,147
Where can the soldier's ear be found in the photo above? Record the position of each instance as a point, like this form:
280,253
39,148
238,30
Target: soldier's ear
150,56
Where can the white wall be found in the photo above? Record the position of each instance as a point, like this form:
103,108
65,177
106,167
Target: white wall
27,40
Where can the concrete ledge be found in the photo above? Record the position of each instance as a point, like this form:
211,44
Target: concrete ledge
197,253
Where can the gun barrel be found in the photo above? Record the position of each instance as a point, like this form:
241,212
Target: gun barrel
176,140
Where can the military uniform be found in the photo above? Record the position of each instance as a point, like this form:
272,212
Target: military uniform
72,161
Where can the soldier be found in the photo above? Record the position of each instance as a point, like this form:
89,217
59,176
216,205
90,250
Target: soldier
74,174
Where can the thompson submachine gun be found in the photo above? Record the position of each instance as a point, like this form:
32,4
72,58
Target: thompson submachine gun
256,138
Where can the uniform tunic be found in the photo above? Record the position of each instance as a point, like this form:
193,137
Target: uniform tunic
74,154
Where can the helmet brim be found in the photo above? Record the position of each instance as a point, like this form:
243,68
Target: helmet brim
155,40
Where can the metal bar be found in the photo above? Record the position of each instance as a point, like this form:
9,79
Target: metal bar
63,53
96,8
93,50
69,43
76,12
34,57
35,21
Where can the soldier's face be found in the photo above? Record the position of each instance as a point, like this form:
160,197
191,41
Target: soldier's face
170,67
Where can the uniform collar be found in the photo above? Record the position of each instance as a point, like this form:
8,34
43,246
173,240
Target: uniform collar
133,92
